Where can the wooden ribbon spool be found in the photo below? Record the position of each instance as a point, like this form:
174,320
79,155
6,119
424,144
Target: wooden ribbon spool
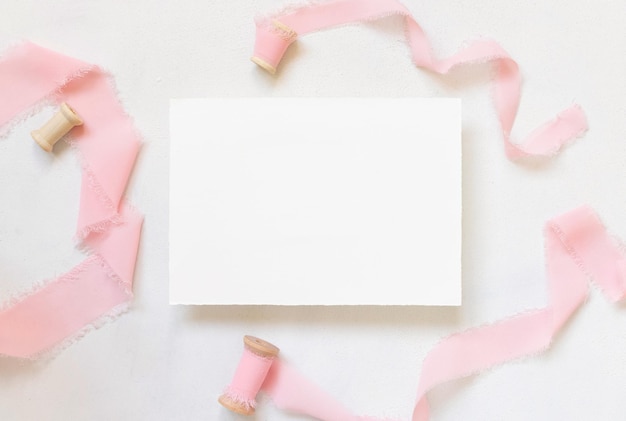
255,363
58,126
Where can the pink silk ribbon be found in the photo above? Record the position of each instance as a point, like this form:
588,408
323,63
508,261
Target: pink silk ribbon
577,245
577,248
275,34
62,309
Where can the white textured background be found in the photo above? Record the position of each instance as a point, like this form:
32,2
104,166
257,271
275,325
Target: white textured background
170,363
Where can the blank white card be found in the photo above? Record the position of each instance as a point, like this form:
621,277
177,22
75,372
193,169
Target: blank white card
293,201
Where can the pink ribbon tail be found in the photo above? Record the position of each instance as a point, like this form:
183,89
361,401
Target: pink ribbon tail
107,144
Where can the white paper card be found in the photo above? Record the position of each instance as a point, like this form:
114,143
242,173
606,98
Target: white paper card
293,201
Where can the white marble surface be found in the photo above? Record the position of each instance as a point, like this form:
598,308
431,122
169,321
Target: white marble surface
170,363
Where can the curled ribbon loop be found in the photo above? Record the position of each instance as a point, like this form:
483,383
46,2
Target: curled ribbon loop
64,308
275,34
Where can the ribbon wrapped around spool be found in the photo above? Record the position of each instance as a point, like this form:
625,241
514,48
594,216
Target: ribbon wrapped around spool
256,361
272,41
261,370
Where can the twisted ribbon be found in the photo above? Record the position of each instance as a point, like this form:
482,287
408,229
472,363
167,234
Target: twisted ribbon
276,33
65,307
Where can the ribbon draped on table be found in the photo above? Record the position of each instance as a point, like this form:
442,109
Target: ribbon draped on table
62,309
577,248
274,35
577,245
